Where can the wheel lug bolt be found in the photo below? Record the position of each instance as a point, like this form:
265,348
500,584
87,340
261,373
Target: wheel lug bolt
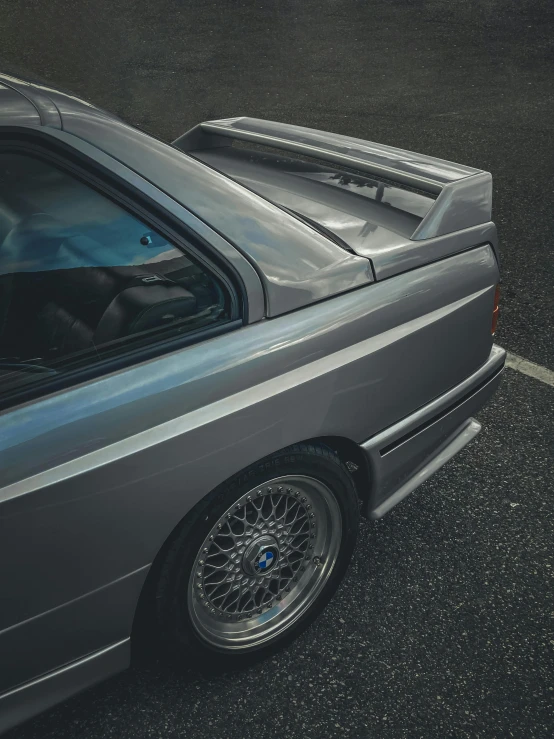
249,499
289,490
308,507
201,562
288,588
297,495
205,550
270,490
279,489
303,499
316,561
211,538
310,546
259,493
277,597
219,525
312,515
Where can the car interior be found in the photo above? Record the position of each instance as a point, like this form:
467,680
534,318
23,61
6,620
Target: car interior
77,272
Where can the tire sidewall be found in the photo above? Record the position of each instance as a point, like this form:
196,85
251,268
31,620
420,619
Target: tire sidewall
172,596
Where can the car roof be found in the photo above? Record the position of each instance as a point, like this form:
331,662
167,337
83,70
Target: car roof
297,265
16,110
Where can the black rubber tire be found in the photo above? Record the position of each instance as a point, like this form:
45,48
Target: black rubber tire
315,460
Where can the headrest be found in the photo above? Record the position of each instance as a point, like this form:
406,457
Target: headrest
150,302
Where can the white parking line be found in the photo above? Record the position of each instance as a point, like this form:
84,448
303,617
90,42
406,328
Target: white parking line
530,368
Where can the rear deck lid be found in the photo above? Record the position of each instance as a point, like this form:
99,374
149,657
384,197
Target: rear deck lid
364,214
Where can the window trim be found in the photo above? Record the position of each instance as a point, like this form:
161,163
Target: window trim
154,216
137,203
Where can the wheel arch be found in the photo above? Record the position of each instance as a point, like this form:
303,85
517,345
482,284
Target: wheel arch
354,459
349,453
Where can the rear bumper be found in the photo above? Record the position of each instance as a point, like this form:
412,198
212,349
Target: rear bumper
406,454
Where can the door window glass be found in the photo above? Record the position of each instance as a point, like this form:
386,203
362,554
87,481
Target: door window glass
81,279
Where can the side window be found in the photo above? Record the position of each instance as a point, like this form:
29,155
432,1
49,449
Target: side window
81,279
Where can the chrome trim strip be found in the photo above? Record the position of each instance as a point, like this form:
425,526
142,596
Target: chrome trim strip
227,406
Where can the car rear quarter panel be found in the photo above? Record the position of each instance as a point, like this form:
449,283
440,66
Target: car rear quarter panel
95,478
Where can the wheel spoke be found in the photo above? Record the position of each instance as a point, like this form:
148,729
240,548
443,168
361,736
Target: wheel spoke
259,554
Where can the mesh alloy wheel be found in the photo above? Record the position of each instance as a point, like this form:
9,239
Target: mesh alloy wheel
256,560
264,562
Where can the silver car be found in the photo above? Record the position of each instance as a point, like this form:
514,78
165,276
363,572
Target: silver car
214,355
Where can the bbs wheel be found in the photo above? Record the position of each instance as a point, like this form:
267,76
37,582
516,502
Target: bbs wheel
259,558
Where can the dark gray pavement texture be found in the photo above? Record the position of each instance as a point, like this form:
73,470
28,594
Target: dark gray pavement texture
467,80
443,627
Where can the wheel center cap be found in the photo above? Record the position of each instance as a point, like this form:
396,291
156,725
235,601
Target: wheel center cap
261,556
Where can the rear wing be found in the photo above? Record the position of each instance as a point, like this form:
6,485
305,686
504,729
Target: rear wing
464,194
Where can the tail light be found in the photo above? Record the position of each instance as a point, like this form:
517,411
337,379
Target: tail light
495,311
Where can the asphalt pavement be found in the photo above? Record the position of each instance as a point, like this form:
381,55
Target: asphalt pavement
443,627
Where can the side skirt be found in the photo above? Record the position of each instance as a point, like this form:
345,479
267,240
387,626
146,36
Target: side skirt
31,698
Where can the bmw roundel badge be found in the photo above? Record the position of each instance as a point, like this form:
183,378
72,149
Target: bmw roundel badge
266,560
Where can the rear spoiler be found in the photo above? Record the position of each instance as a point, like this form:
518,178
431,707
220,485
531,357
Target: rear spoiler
464,194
